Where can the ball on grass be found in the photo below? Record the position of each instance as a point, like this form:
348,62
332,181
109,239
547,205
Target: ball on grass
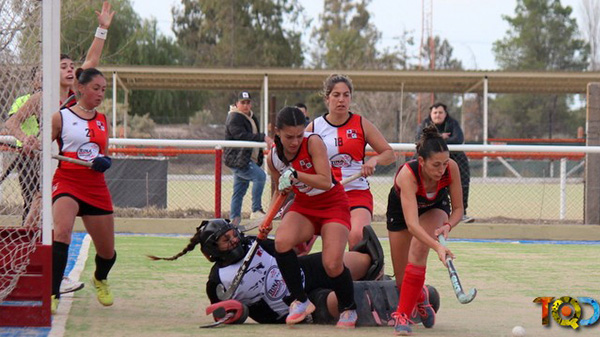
518,331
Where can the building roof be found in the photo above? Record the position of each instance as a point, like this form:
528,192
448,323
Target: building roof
182,78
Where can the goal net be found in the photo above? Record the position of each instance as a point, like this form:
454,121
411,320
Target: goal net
20,175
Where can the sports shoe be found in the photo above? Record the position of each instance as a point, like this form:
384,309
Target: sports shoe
53,304
347,320
299,311
257,214
402,324
105,296
467,219
425,310
68,286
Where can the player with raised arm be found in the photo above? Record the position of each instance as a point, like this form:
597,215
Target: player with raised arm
346,136
77,190
425,201
23,123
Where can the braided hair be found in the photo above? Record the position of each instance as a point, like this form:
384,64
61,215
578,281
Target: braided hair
194,241
430,142
288,116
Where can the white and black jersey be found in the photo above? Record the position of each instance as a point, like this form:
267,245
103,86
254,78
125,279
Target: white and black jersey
262,288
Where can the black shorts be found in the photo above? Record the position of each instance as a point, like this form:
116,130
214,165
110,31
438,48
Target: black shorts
395,219
84,207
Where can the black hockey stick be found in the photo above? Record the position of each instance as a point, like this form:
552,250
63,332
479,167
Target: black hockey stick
223,294
458,289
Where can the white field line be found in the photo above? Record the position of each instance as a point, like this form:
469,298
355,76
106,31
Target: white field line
59,320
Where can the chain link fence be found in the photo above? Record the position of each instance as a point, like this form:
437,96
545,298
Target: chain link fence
514,190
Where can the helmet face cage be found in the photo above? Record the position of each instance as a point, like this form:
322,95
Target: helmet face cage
211,231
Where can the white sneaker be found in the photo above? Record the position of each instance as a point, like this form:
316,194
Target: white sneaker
257,215
467,219
67,285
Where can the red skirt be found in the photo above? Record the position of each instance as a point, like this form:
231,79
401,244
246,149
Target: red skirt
331,206
360,199
86,185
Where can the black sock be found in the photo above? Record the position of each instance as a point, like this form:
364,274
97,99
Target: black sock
344,290
60,255
290,270
103,266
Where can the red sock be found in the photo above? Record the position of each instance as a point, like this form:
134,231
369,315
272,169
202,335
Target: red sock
412,286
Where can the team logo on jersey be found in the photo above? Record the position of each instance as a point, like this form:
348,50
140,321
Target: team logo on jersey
341,160
100,125
351,134
275,287
305,165
88,151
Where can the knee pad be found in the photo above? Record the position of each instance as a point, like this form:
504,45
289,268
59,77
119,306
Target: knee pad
371,246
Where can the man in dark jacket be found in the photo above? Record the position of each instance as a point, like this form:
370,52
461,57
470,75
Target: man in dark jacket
245,163
450,130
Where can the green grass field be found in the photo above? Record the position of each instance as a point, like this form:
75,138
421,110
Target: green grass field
165,298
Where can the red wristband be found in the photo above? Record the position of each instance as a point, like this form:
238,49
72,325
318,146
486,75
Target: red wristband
448,224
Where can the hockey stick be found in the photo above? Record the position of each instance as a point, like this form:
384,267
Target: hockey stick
257,223
72,160
458,289
225,295
285,208
351,178
225,317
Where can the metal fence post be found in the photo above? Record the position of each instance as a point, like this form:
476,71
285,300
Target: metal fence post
592,160
218,175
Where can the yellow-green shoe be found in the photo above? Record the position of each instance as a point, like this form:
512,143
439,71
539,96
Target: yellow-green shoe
105,296
53,304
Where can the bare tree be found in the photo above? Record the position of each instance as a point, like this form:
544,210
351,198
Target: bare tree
590,12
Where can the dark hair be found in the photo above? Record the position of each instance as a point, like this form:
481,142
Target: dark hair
301,105
437,105
207,235
334,79
430,142
65,56
194,241
288,116
85,76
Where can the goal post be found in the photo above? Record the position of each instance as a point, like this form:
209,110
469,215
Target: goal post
29,62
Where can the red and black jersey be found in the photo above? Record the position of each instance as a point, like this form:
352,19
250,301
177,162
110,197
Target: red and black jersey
423,199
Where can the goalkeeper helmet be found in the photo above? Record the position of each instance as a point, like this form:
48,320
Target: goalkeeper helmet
210,232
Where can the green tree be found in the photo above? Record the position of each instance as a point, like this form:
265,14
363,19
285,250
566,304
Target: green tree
543,35
238,33
131,41
347,39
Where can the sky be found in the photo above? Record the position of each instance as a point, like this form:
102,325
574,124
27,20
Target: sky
470,26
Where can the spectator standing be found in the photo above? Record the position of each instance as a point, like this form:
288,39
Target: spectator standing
450,130
304,110
245,163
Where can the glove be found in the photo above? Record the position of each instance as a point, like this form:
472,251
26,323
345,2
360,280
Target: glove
101,164
285,181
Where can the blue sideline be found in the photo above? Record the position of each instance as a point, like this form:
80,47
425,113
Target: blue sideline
74,248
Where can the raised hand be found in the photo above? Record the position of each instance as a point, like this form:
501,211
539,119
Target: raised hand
105,17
